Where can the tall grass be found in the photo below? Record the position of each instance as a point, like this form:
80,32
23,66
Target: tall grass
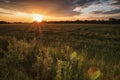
70,54
32,61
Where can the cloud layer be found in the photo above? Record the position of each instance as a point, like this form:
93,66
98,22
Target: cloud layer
61,7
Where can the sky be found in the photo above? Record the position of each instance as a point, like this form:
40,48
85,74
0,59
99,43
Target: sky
57,10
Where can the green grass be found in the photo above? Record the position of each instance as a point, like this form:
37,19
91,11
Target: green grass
64,52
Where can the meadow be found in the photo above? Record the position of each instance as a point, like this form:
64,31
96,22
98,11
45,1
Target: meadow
61,52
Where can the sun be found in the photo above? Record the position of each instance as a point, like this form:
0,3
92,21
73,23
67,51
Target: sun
37,17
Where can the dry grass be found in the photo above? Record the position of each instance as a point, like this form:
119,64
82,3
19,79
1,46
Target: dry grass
66,52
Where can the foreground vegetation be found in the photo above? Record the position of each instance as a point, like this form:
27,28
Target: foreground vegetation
63,52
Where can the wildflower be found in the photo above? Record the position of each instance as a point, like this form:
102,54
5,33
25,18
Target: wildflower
93,73
73,55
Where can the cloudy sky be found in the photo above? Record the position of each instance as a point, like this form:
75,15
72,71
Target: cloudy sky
24,10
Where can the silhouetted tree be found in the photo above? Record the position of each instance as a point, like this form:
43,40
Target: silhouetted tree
3,22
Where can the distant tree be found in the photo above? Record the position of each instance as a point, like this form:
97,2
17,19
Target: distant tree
17,22
112,19
3,22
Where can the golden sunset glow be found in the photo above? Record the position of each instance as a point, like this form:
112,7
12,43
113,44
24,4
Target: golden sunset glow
58,10
37,17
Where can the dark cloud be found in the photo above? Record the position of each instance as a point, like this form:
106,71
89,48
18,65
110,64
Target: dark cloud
116,3
85,3
46,7
49,7
96,12
116,11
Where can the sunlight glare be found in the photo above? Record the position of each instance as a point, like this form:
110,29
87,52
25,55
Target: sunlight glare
37,17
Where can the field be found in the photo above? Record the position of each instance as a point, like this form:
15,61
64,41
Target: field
60,52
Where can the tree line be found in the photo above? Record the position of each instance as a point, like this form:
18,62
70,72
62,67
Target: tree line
109,21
